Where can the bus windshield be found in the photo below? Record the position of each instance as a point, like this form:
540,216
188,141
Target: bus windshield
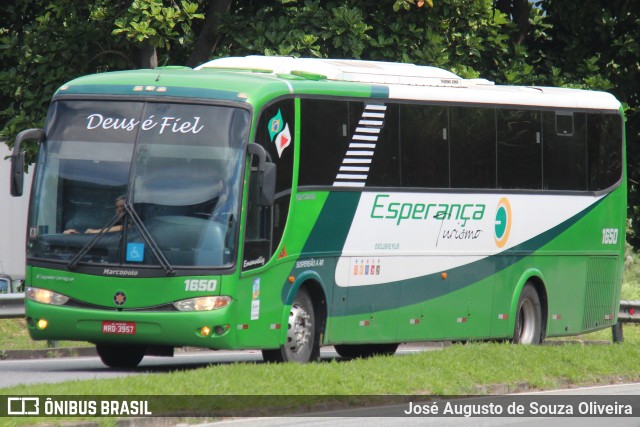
177,166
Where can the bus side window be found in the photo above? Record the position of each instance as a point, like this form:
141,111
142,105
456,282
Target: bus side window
424,143
326,134
564,151
604,133
519,149
473,147
385,164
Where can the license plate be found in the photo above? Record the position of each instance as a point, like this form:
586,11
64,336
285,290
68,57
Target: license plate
121,328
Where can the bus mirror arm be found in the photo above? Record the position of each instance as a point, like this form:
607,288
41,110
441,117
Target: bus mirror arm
268,187
254,149
266,175
17,160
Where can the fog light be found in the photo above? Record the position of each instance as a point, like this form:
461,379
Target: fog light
205,331
42,323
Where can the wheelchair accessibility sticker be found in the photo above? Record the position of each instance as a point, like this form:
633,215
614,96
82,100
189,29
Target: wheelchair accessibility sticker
135,252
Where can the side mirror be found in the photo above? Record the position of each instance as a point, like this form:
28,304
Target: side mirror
17,160
265,176
17,175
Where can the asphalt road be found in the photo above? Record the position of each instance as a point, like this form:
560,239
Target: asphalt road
22,372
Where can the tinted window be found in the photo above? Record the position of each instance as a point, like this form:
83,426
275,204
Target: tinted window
325,131
605,150
473,147
519,149
565,153
353,144
424,146
349,144
382,140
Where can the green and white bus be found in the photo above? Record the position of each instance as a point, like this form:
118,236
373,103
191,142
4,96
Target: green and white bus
286,204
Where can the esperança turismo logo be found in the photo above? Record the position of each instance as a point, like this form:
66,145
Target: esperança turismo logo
503,222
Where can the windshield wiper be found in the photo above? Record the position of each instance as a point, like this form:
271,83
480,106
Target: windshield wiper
128,210
164,262
91,243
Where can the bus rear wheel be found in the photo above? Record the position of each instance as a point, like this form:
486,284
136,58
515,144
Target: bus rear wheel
365,350
528,327
302,343
120,356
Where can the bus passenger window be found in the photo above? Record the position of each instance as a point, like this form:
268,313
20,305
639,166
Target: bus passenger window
565,151
473,147
424,146
519,149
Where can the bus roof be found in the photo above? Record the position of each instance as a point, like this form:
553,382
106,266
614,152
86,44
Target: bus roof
252,78
414,82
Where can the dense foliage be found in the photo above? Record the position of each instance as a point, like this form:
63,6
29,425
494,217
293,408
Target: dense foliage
545,42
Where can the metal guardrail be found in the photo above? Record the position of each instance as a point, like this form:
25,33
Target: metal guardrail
629,313
11,306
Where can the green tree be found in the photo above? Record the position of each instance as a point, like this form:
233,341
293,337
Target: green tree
594,45
547,42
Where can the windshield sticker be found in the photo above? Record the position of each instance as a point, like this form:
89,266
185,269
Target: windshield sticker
279,132
57,278
253,262
157,124
135,252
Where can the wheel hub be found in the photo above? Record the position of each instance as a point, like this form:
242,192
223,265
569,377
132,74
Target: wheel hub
300,328
527,322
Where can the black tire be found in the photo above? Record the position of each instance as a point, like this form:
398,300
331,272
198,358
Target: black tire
120,356
303,337
365,350
528,326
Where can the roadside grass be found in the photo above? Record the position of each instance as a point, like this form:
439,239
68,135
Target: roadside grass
631,281
461,369
472,368
14,336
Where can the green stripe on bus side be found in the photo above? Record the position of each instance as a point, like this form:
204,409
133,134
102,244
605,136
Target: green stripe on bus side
326,238
425,288
330,232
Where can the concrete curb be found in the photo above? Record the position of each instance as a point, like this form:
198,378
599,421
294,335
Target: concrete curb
48,353
85,351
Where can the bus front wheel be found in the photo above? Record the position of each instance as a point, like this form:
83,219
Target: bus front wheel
302,344
120,356
528,327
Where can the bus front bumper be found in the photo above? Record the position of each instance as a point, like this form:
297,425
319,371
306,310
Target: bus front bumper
209,329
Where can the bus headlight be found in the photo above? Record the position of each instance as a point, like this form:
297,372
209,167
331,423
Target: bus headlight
202,303
46,297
